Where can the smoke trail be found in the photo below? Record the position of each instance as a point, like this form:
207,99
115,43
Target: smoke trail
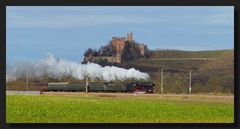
58,68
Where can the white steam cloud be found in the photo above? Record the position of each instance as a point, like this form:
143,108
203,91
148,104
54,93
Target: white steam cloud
58,68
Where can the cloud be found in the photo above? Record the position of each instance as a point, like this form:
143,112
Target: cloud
20,20
55,17
62,21
222,19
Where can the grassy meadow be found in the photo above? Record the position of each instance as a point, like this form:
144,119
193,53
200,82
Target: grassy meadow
117,109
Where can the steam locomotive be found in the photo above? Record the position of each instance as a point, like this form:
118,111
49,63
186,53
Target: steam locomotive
135,87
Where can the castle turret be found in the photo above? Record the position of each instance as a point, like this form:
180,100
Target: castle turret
130,37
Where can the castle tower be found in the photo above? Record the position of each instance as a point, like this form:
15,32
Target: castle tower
130,37
119,44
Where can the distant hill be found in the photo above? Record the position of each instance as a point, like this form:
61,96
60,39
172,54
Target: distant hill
177,59
225,61
219,72
213,70
189,54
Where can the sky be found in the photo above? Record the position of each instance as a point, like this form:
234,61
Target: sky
67,32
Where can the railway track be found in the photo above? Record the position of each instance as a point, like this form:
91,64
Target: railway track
205,97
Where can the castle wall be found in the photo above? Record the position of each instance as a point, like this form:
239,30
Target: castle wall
108,58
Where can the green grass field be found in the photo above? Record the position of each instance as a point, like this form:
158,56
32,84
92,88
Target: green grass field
131,109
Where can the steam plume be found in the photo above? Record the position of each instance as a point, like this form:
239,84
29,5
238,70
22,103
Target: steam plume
58,68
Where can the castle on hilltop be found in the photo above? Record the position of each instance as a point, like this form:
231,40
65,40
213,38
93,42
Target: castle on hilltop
118,44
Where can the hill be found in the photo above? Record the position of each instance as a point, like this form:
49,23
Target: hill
188,54
212,70
176,59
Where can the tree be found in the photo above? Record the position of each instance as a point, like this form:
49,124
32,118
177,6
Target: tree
108,50
88,52
131,52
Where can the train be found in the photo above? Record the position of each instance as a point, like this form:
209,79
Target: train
132,87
